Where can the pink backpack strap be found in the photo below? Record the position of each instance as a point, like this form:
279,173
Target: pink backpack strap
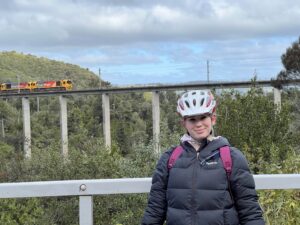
174,156
226,159
227,163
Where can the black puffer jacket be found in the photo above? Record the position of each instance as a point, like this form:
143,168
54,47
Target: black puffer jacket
196,191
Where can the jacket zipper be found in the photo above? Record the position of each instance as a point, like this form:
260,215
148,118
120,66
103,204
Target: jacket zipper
193,202
202,163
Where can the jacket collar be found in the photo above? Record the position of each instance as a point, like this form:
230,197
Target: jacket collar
205,146
197,145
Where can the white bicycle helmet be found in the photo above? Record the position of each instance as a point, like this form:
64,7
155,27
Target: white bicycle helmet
196,102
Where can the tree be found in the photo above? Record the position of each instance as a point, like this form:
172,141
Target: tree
251,123
291,59
291,62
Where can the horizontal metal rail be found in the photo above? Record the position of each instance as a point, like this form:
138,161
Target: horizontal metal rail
75,187
120,186
150,88
86,189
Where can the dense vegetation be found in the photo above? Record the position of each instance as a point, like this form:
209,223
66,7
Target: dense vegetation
250,121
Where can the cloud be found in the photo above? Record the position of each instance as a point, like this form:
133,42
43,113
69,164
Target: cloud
98,23
172,39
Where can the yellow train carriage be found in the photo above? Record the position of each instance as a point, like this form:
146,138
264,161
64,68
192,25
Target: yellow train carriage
23,86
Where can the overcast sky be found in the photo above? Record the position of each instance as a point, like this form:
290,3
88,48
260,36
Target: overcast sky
151,41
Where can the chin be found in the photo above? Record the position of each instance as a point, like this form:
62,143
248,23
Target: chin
199,138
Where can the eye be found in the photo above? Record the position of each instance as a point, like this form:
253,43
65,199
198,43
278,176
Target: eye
192,120
203,117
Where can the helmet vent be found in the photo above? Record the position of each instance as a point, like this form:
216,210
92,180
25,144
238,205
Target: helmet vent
202,101
208,102
194,102
187,104
181,105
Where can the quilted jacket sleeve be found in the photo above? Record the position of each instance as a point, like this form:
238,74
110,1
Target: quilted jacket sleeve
155,213
243,188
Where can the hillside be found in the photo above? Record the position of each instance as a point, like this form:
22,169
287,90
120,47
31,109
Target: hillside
30,67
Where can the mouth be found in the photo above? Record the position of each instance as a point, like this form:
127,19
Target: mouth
199,131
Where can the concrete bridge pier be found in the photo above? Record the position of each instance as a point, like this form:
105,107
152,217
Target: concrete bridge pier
106,120
277,98
26,127
2,128
63,126
156,121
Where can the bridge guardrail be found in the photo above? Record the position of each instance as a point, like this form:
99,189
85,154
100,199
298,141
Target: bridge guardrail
86,189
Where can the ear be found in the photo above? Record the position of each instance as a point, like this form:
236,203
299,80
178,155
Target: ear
213,119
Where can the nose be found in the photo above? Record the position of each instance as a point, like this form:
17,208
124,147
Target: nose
198,123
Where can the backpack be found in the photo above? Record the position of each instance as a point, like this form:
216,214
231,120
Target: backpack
224,154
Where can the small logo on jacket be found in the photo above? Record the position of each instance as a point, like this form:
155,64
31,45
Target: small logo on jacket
212,163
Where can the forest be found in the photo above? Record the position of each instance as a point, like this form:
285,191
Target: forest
269,138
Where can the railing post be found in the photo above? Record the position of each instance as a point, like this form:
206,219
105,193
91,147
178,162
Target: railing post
106,120
26,127
156,120
63,126
86,210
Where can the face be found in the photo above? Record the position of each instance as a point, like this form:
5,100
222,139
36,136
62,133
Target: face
199,127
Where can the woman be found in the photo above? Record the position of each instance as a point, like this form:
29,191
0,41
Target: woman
196,190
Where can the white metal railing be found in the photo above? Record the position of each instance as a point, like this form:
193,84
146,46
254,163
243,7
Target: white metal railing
86,189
